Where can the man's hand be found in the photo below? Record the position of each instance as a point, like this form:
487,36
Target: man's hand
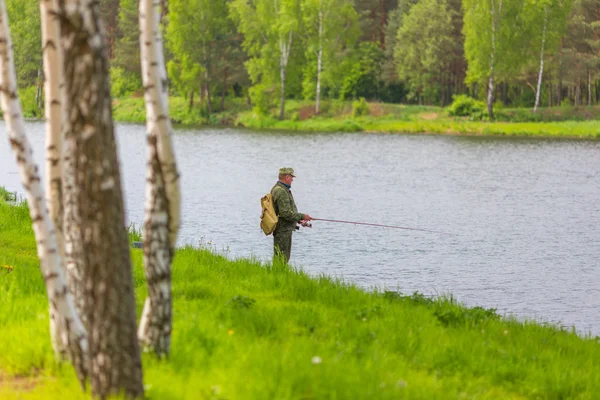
305,223
307,217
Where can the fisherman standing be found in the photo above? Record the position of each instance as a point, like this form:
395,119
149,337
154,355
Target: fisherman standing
288,214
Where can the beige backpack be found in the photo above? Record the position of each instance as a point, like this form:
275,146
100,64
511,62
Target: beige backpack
268,218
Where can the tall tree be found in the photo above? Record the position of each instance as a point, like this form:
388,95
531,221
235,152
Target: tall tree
62,307
421,52
25,28
270,28
329,25
97,241
546,23
110,17
162,218
126,48
196,34
373,18
488,48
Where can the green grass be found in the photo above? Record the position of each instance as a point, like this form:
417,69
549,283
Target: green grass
246,330
336,116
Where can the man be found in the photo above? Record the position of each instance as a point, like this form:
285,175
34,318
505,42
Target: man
288,214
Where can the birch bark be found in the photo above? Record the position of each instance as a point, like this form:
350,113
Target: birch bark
73,335
541,73
496,17
52,65
96,234
162,210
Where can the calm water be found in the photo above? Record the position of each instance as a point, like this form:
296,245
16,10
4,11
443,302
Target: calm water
524,213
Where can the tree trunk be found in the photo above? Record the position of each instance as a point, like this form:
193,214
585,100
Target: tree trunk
162,214
284,56
73,337
38,88
550,95
224,91
491,86
559,89
52,62
191,106
578,88
208,99
98,241
541,72
319,64
589,87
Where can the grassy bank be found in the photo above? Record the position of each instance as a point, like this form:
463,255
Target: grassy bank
246,330
337,116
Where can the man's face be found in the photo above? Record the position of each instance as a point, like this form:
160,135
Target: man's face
288,179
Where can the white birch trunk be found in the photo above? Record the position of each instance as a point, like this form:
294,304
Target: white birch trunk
53,111
319,60
73,334
541,73
491,83
162,209
284,56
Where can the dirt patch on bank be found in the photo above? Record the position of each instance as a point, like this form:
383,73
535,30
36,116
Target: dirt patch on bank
19,383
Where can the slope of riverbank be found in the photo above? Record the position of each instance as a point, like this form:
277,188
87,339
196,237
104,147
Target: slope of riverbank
337,116
246,330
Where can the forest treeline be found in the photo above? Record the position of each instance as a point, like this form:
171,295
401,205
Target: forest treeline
519,53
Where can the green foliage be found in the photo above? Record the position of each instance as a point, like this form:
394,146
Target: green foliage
330,28
422,46
362,70
240,301
127,47
124,83
262,99
465,106
29,103
24,21
360,107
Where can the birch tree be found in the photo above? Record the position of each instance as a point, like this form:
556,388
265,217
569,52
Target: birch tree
488,49
162,213
546,21
95,234
53,85
329,25
269,28
72,338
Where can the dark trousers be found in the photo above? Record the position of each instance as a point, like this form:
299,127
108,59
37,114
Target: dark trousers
282,245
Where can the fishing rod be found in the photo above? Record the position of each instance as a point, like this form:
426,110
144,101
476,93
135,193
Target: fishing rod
379,225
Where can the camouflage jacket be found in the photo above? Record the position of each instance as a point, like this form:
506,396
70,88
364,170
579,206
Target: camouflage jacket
285,208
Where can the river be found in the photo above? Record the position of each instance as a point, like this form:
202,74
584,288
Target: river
522,215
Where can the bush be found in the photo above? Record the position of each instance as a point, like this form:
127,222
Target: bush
465,106
29,104
262,99
124,83
360,107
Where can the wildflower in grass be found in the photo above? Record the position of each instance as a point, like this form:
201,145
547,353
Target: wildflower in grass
7,267
230,332
317,360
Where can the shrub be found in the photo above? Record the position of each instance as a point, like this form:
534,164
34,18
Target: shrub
124,83
29,102
262,99
465,106
360,107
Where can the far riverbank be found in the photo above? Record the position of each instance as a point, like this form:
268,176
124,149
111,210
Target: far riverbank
339,116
